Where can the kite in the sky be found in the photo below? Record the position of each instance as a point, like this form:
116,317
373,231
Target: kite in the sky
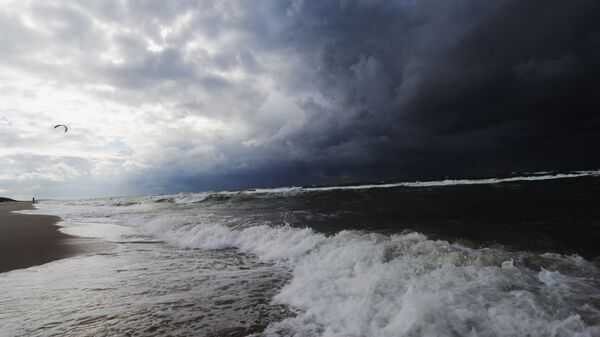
64,126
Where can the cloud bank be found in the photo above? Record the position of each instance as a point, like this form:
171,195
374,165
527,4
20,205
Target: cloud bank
164,96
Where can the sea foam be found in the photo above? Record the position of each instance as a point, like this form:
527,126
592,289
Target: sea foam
366,284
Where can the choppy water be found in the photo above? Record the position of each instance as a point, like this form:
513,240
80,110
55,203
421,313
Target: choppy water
514,256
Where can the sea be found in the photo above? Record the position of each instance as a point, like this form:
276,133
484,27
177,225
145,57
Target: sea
516,255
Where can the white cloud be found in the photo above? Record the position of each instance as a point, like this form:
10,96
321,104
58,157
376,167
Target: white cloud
169,90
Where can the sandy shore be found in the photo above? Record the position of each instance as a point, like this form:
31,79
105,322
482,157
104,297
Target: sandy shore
29,240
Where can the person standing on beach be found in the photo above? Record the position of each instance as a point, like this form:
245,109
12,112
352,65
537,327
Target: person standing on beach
33,200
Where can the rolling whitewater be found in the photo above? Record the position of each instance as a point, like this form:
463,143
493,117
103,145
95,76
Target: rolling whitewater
503,256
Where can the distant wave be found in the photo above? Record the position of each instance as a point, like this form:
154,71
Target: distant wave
222,196
430,183
445,182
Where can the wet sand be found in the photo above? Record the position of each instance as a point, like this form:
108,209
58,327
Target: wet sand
30,240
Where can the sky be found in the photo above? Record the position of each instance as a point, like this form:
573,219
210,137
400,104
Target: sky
174,96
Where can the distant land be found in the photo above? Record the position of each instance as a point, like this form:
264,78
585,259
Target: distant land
3,199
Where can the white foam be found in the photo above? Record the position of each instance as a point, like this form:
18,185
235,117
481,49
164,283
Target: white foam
190,198
451,182
274,244
349,287
535,176
358,284
286,189
104,231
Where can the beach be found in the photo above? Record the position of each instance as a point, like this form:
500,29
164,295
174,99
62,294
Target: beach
30,240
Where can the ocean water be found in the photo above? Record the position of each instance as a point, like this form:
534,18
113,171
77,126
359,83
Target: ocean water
509,256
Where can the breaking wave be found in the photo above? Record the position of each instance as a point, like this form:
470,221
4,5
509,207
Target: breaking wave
366,284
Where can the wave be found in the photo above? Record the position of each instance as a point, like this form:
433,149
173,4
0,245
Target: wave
223,196
540,176
366,284
451,182
187,198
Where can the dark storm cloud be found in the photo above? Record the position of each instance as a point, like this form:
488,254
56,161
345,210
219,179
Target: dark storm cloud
505,85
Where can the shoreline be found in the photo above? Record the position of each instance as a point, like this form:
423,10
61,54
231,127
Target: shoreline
28,240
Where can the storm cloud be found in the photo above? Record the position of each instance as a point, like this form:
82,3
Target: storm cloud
187,95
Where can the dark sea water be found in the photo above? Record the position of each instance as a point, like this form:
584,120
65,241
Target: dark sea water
504,256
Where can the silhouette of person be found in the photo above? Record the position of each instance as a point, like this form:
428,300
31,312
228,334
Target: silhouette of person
33,200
